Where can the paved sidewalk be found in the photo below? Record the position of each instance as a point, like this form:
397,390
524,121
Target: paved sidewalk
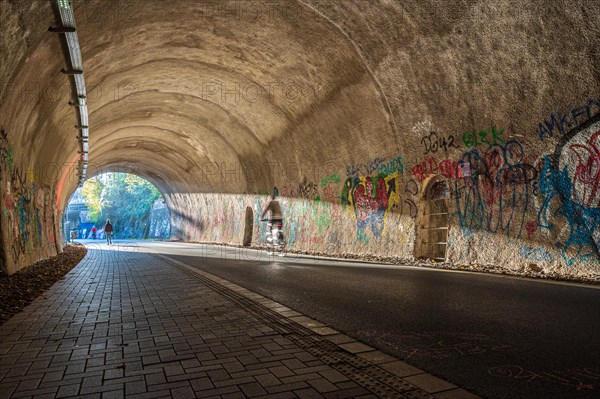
144,326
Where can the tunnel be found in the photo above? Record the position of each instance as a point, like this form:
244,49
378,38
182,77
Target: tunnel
464,132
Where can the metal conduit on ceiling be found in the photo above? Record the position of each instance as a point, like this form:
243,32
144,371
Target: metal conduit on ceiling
68,28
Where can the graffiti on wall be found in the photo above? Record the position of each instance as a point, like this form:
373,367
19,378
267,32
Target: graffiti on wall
334,178
448,168
476,138
561,122
396,165
27,208
370,197
373,198
496,192
365,169
306,189
570,185
434,142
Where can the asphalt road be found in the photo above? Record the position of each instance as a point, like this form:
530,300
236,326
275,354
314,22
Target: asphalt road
496,336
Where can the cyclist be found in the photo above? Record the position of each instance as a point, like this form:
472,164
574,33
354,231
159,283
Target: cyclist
276,219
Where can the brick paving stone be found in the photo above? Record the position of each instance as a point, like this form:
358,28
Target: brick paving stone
234,381
267,380
134,387
287,387
233,367
68,390
201,384
281,371
322,385
139,325
301,377
281,395
186,377
308,393
252,389
183,393
235,395
333,376
218,391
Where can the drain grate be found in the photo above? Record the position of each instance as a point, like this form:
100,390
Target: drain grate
363,372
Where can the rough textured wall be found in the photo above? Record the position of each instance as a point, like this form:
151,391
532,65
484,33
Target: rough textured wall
30,158
28,212
482,95
354,111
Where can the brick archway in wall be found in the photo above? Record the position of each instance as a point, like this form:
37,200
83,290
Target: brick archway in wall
433,220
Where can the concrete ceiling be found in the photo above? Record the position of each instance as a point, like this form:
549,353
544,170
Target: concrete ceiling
201,99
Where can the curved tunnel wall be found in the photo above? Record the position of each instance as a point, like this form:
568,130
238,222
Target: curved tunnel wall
346,108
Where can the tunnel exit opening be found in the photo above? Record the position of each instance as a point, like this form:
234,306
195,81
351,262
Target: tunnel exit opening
135,207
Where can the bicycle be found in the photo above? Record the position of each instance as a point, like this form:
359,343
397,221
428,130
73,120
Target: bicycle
275,240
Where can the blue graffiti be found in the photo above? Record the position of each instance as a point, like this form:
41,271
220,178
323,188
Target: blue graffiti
562,122
583,221
536,254
364,169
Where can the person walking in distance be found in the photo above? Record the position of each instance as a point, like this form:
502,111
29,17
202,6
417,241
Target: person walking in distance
108,230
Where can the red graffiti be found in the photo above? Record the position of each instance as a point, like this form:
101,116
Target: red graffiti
531,227
365,203
8,202
448,168
331,194
587,172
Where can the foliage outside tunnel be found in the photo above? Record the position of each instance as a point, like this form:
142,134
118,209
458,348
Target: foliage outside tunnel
134,206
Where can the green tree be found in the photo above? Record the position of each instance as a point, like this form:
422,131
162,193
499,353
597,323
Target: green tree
91,193
123,198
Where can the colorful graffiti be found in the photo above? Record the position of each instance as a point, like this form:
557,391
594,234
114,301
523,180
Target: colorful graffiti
562,122
495,194
370,203
370,199
569,185
27,211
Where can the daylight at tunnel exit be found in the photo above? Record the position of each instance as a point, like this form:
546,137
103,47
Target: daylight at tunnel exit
300,199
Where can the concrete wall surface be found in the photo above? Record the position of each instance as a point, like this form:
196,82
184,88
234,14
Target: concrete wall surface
464,129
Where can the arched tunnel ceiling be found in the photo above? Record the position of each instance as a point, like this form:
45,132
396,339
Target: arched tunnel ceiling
315,82
175,93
